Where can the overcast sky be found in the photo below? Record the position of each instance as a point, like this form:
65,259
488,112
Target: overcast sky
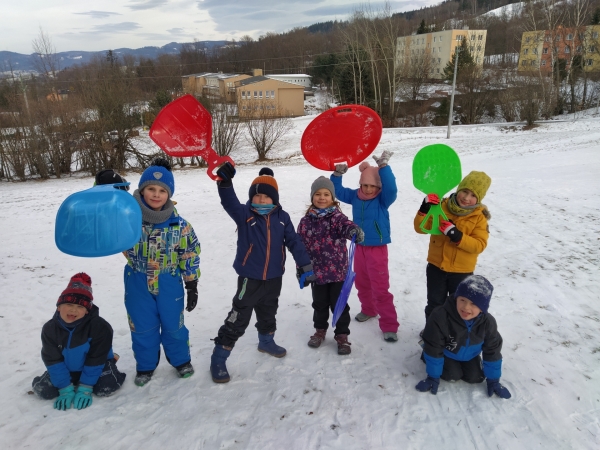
110,24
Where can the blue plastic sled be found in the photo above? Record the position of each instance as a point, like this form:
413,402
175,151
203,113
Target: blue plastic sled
99,221
342,300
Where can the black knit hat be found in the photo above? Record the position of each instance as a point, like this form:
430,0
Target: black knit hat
477,289
266,184
109,176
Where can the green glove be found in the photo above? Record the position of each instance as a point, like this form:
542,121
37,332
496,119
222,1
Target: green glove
83,399
64,400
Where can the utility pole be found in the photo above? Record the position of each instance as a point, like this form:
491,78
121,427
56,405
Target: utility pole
451,112
24,89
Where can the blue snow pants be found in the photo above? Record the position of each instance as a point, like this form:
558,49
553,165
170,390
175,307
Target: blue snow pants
156,319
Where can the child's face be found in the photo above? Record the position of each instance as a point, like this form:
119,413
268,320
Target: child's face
262,199
70,312
322,199
466,308
466,197
369,189
155,196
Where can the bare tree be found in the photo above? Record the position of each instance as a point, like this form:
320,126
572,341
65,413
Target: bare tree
265,128
226,128
46,60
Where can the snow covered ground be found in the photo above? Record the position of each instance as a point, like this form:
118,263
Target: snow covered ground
542,258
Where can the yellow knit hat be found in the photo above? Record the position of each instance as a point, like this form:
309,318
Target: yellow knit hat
476,182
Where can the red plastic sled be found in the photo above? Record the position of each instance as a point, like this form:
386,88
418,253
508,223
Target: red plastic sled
344,134
184,128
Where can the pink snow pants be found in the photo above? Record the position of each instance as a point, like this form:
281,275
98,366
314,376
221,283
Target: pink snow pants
373,285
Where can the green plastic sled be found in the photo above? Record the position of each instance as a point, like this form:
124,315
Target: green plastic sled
436,170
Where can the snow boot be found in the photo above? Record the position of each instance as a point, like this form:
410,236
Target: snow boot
142,378
390,336
185,370
343,344
266,344
361,317
317,339
218,369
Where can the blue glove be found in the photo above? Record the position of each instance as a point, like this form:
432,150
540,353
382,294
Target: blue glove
427,384
305,275
83,398
64,400
494,387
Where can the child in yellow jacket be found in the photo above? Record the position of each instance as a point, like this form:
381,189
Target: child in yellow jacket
453,255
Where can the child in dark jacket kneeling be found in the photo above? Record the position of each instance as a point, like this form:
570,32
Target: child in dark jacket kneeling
77,350
455,336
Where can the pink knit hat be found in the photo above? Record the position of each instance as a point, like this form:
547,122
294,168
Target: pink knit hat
369,174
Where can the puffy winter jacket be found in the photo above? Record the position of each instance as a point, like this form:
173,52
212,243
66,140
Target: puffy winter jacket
83,349
447,334
262,239
371,215
325,239
461,258
168,247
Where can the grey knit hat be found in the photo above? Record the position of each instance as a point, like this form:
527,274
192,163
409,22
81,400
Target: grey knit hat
322,183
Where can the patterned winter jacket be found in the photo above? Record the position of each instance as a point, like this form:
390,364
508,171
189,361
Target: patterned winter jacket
82,350
371,215
168,247
325,239
461,257
447,334
262,239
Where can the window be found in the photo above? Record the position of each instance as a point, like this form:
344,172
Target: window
567,49
527,40
259,94
581,36
267,94
273,95
440,39
569,37
557,38
579,49
543,62
592,49
555,49
243,95
434,39
244,108
437,70
480,37
471,49
589,62
523,63
439,60
459,37
433,49
255,94
526,51
548,39
545,51
477,60
534,62
534,51
472,37
595,35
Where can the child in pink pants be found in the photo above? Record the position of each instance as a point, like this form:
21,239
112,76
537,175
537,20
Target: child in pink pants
370,205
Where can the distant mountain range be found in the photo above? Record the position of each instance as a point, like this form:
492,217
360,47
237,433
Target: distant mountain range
19,62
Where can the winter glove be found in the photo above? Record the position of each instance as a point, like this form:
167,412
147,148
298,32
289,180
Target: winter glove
360,234
494,387
340,169
427,384
83,398
451,231
305,275
431,199
226,172
64,400
192,295
383,159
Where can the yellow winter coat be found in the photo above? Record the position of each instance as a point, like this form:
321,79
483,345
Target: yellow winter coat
460,258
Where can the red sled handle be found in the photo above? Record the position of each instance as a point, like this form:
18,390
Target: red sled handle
215,161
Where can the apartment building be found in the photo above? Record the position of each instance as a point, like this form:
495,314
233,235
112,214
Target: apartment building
540,48
437,48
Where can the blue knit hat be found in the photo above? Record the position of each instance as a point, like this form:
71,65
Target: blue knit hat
158,173
477,289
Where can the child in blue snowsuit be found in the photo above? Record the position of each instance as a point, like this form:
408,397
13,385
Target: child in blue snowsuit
167,251
77,350
455,336
264,231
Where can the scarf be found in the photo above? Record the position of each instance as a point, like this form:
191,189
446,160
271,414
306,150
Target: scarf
263,210
458,210
151,216
364,196
321,212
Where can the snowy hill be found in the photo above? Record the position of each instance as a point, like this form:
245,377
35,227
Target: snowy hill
543,259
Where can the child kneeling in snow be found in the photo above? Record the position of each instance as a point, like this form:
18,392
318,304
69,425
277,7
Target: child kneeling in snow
264,232
457,333
77,350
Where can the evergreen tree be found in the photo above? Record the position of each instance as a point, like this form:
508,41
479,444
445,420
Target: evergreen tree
465,60
596,17
422,28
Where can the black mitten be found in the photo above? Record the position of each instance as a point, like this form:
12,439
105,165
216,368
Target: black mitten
191,288
226,172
